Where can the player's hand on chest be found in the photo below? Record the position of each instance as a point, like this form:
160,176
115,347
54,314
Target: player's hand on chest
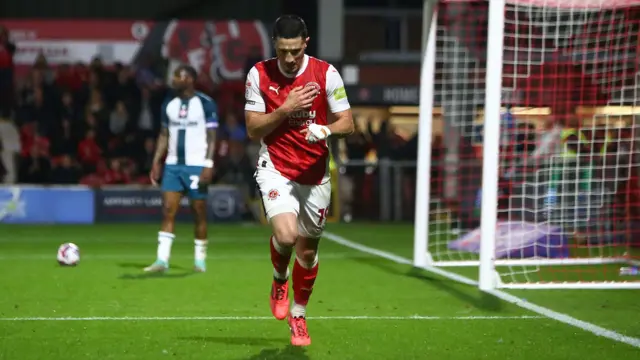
279,92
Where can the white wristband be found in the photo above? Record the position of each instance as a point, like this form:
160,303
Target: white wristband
208,163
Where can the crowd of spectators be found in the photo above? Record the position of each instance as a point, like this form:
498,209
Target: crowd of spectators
360,181
97,124
93,124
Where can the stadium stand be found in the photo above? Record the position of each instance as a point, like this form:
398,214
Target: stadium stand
96,125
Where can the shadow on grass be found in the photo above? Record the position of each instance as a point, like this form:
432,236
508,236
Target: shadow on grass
472,295
141,266
286,353
466,293
227,340
158,275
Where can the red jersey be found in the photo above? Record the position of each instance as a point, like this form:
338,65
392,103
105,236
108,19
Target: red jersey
285,150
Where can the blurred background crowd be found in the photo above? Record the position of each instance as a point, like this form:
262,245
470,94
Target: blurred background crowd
92,124
83,107
96,124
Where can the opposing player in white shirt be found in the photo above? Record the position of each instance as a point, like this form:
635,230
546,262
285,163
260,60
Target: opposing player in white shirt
293,104
188,136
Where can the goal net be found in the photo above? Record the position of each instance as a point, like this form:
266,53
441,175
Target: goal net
568,202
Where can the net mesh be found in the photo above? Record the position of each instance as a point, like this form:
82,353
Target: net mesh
568,180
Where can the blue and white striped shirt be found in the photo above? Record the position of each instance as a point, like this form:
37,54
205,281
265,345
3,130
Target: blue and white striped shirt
188,122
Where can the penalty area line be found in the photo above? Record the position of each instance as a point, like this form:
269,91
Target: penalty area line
540,310
259,318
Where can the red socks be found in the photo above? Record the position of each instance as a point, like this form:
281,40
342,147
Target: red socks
280,259
303,280
303,277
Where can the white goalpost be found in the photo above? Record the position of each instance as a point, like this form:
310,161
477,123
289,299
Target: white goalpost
538,102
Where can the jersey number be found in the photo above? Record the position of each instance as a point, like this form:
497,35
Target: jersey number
195,180
323,216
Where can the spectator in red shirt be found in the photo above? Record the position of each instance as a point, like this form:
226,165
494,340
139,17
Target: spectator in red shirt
68,78
116,174
42,145
89,153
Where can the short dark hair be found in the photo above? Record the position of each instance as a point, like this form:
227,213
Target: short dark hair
289,27
191,71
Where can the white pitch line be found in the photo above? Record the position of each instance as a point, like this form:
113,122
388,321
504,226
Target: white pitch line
260,318
563,318
88,257
131,240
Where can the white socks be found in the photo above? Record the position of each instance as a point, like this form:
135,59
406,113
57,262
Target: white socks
165,240
279,276
298,310
307,265
200,250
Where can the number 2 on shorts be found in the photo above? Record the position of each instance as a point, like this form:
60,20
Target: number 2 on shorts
195,180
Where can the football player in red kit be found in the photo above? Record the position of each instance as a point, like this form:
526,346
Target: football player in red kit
294,103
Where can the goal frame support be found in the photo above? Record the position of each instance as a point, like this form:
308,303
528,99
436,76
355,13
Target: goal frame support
421,257
488,277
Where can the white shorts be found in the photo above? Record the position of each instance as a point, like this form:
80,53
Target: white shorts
310,203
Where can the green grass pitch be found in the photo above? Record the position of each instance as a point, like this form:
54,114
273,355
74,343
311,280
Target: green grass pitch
363,307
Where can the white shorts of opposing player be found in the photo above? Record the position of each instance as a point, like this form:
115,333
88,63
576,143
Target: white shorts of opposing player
310,203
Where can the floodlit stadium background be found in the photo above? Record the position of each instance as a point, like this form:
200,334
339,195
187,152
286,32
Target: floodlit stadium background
568,68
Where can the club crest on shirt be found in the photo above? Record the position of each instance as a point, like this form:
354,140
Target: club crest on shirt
183,111
314,85
273,194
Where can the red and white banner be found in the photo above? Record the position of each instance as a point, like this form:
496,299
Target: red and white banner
219,48
66,42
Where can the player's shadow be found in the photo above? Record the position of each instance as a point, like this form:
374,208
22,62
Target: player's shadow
140,266
473,296
159,275
245,340
287,353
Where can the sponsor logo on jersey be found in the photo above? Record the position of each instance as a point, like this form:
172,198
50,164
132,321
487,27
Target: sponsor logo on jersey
302,117
303,114
183,123
301,122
